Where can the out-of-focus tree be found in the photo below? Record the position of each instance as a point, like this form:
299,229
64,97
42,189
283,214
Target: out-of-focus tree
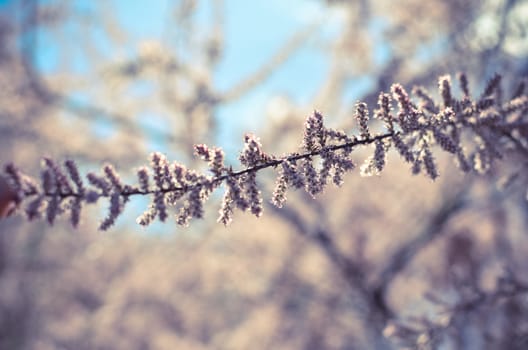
388,261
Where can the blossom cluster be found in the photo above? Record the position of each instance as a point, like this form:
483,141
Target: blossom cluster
476,131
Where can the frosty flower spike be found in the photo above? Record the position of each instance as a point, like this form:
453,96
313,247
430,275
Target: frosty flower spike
475,131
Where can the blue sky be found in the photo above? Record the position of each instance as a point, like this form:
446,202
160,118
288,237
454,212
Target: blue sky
254,31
